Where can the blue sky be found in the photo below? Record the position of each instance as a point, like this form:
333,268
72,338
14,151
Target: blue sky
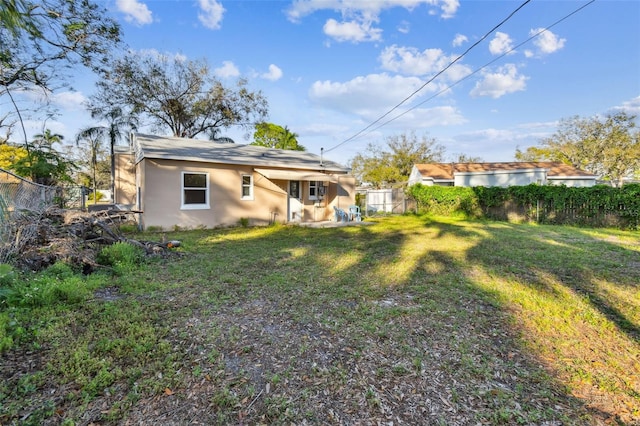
330,68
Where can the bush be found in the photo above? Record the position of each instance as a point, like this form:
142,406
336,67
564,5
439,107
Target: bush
121,256
99,196
594,206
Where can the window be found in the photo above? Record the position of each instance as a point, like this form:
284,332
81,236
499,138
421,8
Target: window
294,189
313,189
195,191
316,190
247,187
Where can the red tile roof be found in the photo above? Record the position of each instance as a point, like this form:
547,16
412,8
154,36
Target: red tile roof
445,171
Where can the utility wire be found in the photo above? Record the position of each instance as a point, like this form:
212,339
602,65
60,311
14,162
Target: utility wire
484,66
434,77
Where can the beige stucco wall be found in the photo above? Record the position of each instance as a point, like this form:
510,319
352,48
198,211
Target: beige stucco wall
161,191
160,183
125,179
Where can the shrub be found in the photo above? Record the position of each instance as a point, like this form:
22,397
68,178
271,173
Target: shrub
595,206
121,256
99,196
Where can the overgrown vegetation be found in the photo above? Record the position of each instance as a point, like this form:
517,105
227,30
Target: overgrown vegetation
593,206
411,320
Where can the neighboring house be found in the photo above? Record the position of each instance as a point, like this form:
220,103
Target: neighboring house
197,183
500,174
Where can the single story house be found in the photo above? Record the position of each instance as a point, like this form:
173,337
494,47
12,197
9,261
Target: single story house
500,174
197,183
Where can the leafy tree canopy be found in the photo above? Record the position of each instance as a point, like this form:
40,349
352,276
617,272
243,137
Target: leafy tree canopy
177,94
274,136
10,155
43,164
392,165
607,146
40,40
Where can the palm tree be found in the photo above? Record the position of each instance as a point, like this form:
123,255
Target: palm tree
94,136
47,139
118,126
289,140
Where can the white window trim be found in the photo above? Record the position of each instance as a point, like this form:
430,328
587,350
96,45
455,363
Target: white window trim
204,206
250,185
317,187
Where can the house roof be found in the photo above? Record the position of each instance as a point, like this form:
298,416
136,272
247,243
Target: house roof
173,148
445,171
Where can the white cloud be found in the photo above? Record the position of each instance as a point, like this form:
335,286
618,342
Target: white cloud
275,73
500,44
546,43
630,107
411,61
505,80
404,27
352,31
227,70
302,8
459,40
70,100
211,15
358,17
367,96
135,11
423,118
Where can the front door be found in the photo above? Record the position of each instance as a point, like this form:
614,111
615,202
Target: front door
295,201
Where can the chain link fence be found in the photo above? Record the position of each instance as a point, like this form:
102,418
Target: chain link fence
385,201
21,199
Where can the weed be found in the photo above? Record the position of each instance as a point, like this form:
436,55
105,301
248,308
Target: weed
224,398
120,253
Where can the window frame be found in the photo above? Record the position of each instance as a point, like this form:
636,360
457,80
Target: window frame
246,185
313,184
183,189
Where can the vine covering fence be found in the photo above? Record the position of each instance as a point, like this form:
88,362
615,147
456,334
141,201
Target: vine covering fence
591,206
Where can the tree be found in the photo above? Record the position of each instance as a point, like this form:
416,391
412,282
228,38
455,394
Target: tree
118,126
43,164
40,40
178,94
10,155
464,158
393,166
94,139
607,146
274,136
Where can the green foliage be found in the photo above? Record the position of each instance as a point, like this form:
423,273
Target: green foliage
445,200
43,164
598,205
99,196
181,95
608,146
274,136
392,165
56,284
121,255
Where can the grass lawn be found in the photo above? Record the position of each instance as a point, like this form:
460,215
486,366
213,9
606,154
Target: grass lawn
410,320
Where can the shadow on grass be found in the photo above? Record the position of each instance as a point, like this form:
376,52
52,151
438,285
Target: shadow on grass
348,275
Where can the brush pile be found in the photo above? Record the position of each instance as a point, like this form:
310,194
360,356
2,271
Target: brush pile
35,240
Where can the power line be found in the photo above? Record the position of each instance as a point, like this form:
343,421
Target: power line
484,66
434,77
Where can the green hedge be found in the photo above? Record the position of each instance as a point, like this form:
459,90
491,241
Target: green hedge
594,206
